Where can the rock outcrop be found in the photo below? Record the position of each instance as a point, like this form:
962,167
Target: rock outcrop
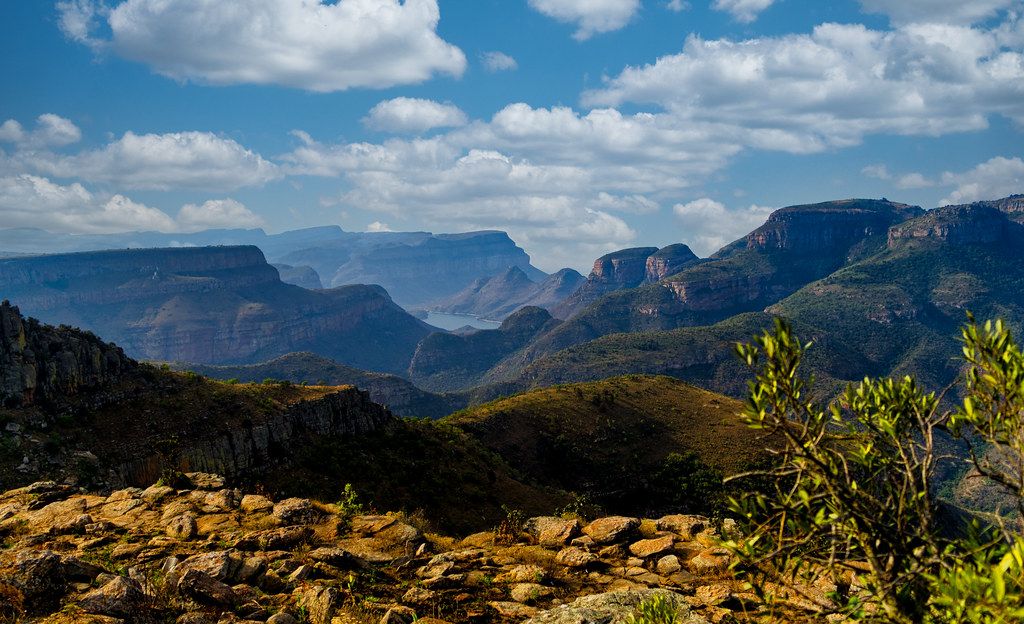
118,556
970,224
40,364
210,305
621,269
668,261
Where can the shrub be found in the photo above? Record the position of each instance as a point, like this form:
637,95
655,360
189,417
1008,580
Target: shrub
853,485
654,610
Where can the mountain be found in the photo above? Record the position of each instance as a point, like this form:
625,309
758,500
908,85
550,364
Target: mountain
414,267
210,305
450,362
625,268
499,296
434,268
397,394
796,246
303,276
668,261
901,308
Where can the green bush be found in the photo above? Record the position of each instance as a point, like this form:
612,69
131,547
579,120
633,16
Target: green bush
852,507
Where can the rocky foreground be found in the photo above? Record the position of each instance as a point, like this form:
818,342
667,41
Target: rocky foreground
200,552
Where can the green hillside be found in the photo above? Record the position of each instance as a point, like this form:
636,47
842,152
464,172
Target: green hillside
627,443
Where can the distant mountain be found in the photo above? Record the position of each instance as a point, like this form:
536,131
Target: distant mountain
395,393
626,268
447,362
796,246
210,305
414,267
303,276
499,296
434,268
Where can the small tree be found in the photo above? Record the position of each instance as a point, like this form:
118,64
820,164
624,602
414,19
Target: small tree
853,482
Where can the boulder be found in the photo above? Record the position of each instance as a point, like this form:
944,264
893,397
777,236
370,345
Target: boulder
619,607
612,529
205,589
551,531
573,557
652,547
293,511
120,597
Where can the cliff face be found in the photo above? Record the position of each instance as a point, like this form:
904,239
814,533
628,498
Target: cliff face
43,365
256,445
832,226
625,268
970,224
210,305
667,261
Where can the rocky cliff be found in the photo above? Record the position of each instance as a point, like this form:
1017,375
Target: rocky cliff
971,224
668,261
210,305
40,364
625,268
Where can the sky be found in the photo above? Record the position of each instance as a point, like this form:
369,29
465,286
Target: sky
578,126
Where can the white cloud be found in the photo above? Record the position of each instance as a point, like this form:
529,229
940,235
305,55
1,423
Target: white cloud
498,61
879,172
377,226
306,44
50,131
179,160
995,178
744,11
217,213
949,11
809,92
33,201
709,225
677,6
590,16
414,115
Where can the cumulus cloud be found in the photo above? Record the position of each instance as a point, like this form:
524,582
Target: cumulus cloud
591,17
178,160
414,115
744,11
994,178
677,6
306,44
34,201
949,11
216,213
808,92
708,225
50,131
904,181
378,226
498,61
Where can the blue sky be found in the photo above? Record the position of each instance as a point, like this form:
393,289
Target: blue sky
601,124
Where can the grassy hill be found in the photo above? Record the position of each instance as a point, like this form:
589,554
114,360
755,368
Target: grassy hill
629,444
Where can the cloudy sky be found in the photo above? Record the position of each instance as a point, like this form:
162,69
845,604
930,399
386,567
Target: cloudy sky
578,126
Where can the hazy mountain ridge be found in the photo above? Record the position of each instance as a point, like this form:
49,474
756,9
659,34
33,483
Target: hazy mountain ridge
210,305
501,295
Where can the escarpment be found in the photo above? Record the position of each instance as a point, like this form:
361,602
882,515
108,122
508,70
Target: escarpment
981,223
40,364
210,305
